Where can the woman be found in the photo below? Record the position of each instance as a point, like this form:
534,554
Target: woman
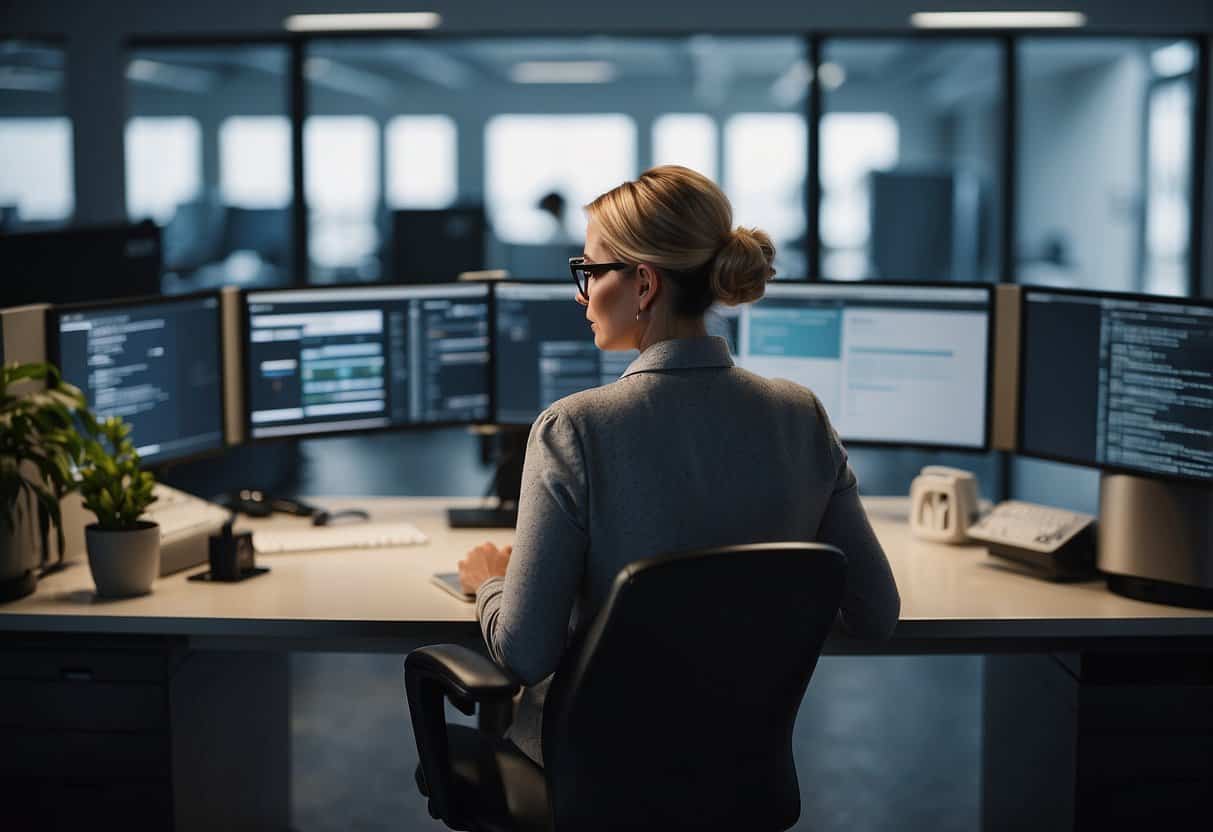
683,451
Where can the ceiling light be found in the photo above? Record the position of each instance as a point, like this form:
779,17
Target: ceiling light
998,20
362,22
562,72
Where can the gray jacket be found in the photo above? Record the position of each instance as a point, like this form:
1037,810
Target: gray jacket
683,451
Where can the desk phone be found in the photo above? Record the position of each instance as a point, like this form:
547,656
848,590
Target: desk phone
1052,542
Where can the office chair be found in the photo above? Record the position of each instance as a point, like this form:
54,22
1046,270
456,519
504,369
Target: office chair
673,710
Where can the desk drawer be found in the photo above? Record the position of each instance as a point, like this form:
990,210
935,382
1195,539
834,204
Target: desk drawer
86,756
34,661
83,706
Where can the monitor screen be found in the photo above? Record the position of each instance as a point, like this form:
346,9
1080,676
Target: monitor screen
891,364
543,350
1118,381
345,359
156,363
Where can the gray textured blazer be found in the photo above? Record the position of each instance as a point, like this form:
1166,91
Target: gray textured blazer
683,451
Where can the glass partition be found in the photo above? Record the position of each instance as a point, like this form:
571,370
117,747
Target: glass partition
1105,163
36,182
488,147
208,158
910,158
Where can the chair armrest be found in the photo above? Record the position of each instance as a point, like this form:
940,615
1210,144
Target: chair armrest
466,677
447,671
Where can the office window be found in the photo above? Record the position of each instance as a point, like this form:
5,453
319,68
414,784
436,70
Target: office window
1169,169
910,159
209,158
341,174
686,139
255,161
1105,163
578,157
163,165
36,186
421,162
856,145
764,173
36,172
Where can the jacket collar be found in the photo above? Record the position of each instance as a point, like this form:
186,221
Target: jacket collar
682,354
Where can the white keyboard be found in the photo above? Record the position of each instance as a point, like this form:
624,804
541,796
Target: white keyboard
353,536
180,513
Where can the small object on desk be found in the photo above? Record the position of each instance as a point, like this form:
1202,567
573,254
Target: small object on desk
1051,542
257,503
330,518
231,557
449,582
483,518
943,502
358,536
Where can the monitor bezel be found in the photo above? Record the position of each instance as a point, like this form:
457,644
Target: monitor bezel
390,427
54,314
1020,385
988,416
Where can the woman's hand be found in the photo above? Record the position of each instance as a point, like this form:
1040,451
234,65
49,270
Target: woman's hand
483,562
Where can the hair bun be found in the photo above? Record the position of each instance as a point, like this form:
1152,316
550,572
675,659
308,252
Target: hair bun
742,267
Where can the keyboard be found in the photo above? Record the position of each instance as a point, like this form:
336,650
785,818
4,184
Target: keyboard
179,513
320,538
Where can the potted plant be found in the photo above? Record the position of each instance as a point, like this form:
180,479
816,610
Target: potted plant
123,551
39,446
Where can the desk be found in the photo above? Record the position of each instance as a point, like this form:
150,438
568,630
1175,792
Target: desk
223,646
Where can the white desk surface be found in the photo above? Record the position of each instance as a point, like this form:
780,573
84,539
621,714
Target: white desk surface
955,593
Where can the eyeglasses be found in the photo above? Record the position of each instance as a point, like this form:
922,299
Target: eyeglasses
583,271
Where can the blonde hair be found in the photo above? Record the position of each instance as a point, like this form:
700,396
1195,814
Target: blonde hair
678,221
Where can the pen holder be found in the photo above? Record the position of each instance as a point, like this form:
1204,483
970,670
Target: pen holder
231,556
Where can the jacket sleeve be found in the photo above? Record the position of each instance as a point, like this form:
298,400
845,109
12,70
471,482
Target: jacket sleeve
871,604
525,616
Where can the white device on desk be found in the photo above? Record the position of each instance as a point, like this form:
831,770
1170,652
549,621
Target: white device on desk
449,582
1056,543
943,502
321,538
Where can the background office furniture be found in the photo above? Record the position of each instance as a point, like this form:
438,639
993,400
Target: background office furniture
435,246
81,264
632,732
955,599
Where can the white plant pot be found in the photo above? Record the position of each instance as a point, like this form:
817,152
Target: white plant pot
123,563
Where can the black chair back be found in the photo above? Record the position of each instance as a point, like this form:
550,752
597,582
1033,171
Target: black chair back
676,709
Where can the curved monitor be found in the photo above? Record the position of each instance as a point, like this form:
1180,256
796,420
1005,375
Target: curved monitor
156,362
1117,381
340,359
891,363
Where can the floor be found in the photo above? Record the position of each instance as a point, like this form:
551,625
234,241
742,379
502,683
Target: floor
881,743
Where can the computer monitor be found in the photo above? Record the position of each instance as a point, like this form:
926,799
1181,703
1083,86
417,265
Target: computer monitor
892,364
80,265
155,362
436,246
1120,382
344,359
543,350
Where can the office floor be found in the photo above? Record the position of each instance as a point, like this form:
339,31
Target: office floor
882,743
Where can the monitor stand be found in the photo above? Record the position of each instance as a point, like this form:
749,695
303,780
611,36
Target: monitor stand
1156,540
507,486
